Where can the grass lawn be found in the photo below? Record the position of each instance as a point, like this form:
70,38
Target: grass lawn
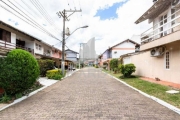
153,89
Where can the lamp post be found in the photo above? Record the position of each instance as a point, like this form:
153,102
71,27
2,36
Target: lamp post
63,43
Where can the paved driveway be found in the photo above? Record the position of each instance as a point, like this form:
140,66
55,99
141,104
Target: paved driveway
88,94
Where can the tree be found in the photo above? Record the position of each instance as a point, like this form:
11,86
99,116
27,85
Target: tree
114,65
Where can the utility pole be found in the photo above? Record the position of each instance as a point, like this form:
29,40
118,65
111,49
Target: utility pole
63,14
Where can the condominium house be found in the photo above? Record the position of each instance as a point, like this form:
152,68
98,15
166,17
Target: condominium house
13,38
124,47
71,56
159,51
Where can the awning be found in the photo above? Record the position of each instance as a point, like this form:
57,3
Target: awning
158,7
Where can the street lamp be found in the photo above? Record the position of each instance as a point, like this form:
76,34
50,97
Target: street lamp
63,43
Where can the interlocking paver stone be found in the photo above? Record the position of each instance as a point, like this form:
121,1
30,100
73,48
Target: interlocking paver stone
88,94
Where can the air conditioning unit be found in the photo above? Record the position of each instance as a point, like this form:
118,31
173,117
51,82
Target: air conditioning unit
175,3
157,51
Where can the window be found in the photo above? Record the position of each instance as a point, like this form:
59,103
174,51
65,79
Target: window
167,60
5,35
163,25
38,47
115,52
173,16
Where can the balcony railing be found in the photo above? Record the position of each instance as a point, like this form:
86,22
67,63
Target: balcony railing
171,25
10,46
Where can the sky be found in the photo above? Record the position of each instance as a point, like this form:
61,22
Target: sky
109,21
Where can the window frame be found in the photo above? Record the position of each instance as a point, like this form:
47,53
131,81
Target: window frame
167,66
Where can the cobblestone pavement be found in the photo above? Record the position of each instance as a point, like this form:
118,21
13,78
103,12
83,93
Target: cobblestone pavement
88,94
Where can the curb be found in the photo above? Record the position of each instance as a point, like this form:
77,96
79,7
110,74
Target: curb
165,104
23,98
30,94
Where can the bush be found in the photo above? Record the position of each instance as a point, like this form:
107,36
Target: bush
127,69
45,65
54,74
20,72
114,64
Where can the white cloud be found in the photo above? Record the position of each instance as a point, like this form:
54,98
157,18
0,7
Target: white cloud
107,32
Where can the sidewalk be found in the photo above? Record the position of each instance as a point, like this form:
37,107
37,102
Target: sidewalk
43,80
170,84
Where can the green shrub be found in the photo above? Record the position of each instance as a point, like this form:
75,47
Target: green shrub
54,74
113,64
45,65
20,72
5,99
57,77
127,69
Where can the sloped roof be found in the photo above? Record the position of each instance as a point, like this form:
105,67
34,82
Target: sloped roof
156,9
121,43
72,51
128,40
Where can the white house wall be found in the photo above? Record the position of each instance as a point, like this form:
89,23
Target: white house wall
13,38
124,48
28,43
37,50
127,60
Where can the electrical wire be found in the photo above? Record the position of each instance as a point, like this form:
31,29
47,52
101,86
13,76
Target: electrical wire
33,22
34,11
42,12
43,9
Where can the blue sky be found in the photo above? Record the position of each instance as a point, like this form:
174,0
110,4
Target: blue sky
110,12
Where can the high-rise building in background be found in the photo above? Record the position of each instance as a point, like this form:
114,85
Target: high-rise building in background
87,52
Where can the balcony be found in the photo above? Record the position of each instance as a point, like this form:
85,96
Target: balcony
6,47
165,31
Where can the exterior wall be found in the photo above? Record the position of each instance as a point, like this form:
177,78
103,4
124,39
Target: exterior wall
72,59
13,38
154,67
70,55
124,48
47,50
37,50
105,55
28,42
56,54
127,60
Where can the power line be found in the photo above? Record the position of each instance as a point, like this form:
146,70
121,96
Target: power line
34,11
35,26
43,9
24,9
32,21
43,13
